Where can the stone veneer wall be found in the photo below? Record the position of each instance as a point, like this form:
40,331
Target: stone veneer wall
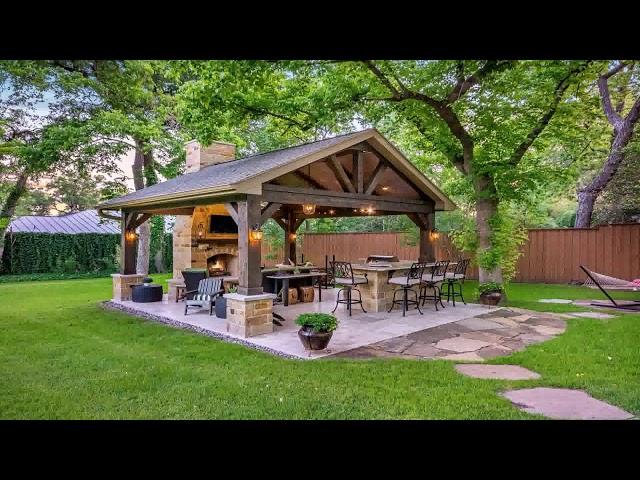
187,256
249,316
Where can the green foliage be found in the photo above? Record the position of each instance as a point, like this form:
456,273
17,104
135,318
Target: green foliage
41,277
490,287
27,253
320,322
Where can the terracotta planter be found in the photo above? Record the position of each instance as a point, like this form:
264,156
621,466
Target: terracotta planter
312,340
490,298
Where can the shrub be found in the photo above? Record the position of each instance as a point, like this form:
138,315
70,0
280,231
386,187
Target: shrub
320,322
490,287
70,265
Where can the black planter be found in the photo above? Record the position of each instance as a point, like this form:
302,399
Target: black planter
221,307
312,340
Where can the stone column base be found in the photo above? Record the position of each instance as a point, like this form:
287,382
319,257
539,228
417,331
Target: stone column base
249,315
173,291
122,285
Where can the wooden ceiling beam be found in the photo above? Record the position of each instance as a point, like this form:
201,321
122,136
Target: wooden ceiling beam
376,176
268,211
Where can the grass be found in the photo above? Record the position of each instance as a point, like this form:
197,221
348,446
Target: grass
63,356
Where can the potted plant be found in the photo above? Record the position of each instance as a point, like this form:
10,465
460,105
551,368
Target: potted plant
491,293
221,303
316,330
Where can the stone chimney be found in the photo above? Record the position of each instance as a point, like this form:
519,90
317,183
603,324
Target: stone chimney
199,157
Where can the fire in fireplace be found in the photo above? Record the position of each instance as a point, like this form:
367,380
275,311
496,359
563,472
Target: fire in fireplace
222,264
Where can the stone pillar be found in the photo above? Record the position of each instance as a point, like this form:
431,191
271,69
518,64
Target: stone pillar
122,285
181,245
249,250
249,315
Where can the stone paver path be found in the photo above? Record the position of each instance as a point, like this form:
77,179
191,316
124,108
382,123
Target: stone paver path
492,334
499,372
564,404
554,300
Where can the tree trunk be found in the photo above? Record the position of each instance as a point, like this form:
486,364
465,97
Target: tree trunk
143,172
486,208
9,208
588,195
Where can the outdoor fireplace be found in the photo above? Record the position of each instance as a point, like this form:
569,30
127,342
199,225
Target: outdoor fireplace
223,264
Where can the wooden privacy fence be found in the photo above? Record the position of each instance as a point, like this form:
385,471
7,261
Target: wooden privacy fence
548,256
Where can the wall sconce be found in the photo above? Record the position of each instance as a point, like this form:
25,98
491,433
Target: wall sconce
434,234
200,230
130,235
255,233
292,237
308,208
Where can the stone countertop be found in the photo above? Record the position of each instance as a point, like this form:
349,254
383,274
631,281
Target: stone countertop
375,268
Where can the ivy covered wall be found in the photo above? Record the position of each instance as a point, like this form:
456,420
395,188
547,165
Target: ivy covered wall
66,253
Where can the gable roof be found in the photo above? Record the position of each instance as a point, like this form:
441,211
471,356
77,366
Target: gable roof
246,175
86,221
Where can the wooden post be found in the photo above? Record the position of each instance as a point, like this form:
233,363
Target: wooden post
290,240
427,248
127,246
250,276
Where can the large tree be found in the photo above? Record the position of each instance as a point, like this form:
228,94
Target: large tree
137,111
488,120
43,128
623,122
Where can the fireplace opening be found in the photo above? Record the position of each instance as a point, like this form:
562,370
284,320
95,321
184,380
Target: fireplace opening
222,264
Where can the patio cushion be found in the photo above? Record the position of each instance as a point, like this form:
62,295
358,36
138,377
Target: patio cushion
451,275
348,281
435,279
403,281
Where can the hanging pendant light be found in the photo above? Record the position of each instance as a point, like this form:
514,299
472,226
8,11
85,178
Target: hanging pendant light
308,208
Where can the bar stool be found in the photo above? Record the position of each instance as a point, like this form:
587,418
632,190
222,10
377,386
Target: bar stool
406,283
456,278
343,277
431,281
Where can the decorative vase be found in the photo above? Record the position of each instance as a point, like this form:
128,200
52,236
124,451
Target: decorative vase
312,340
490,298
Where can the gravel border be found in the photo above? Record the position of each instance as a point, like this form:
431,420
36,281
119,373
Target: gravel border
110,305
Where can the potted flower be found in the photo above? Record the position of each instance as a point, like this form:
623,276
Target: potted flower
316,330
221,303
491,293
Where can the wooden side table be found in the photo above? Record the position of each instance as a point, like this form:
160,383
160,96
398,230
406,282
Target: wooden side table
180,290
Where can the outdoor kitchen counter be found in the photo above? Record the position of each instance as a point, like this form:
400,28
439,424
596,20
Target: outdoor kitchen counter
378,293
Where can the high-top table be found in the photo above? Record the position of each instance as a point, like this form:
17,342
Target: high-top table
377,295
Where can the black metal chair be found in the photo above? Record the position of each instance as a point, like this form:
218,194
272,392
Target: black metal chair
343,277
191,280
406,283
431,280
205,296
456,278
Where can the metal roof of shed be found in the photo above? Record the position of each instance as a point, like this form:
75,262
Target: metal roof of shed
86,221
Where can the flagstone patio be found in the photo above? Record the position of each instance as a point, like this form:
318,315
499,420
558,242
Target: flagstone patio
469,332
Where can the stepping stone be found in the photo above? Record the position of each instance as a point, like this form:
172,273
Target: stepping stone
507,322
547,322
514,345
566,404
494,351
592,315
544,330
461,344
467,356
395,345
475,323
554,300
500,372
530,338
520,318
423,350
483,336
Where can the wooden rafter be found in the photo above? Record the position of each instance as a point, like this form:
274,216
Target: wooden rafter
358,171
310,180
134,220
376,176
268,211
342,177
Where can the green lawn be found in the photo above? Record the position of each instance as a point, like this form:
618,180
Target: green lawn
65,357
